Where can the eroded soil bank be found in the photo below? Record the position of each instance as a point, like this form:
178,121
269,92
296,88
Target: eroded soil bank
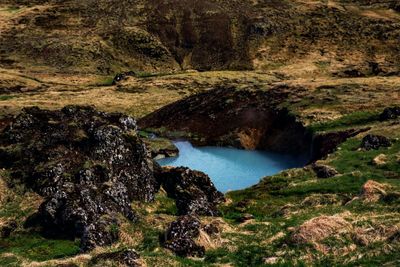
229,117
247,119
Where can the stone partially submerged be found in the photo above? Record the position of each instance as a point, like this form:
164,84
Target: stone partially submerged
87,165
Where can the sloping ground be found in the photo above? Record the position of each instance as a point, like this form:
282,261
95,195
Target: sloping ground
335,62
106,37
346,227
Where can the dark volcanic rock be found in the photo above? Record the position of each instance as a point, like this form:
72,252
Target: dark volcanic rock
324,171
326,143
122,76
180,234
245,217
88,166
126,257
193,191
371,141
390,113
7,229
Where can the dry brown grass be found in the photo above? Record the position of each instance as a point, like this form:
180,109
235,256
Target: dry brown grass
319,228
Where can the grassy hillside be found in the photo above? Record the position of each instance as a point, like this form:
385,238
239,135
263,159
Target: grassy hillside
105,37
335,65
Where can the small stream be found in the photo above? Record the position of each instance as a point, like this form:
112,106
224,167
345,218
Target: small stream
231,168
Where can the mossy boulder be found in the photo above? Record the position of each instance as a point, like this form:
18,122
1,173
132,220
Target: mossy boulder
87,165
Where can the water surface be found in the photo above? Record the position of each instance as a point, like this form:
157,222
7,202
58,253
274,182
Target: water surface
230,168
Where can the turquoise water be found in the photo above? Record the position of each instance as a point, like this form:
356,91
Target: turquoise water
230,168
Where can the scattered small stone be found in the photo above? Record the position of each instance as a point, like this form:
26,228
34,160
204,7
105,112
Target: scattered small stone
180,236
126,257
390,114
7,229
324,171
122,76
211,229
371,141
320,200
380,160
284,211
245,217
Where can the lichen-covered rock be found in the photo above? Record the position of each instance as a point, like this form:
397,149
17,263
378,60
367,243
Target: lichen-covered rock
88,166
193,191
390,113
180,236
324,171
126,257
371,141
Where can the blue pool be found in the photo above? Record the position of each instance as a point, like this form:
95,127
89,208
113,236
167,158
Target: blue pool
230,168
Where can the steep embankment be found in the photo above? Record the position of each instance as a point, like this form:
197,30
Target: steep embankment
241,118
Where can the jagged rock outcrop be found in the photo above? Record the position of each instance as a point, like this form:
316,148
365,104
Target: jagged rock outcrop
371,141
193,191
87,165
180,236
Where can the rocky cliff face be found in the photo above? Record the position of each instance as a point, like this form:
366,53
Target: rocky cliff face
87,165
240,118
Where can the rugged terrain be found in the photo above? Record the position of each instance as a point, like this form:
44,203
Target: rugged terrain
311,77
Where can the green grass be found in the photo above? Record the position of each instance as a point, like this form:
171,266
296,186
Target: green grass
7,97
13,9
167,205
349,159
350,120
37,248
106,81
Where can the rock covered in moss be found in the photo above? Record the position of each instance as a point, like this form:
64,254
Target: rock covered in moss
180,236
193,191
125,257
324,171
88,165
371,141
